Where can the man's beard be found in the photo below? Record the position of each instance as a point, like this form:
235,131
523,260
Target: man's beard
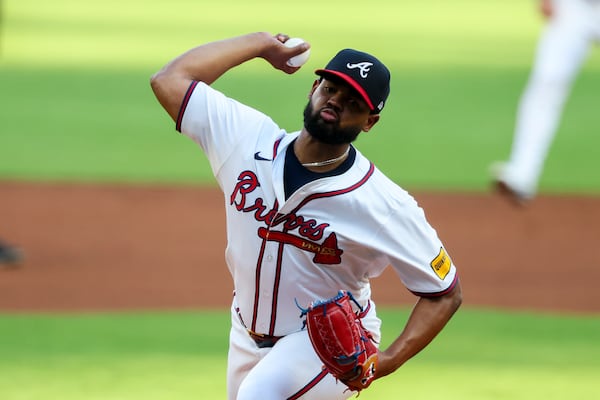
327,133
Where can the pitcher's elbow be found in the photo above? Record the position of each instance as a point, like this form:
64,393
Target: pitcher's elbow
156,82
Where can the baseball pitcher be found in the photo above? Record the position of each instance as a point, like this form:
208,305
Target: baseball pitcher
310,221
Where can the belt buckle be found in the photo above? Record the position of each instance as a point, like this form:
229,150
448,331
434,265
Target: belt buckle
262,340
255,335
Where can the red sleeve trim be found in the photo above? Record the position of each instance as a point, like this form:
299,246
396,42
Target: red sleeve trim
438,294
184,104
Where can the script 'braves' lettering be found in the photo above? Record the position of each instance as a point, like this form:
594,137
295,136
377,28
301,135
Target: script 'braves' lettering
247,183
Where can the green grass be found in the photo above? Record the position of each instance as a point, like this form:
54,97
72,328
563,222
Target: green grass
482,354
106,356
75,102
75,105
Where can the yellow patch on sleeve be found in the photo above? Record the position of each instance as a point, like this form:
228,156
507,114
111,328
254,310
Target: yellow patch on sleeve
441,264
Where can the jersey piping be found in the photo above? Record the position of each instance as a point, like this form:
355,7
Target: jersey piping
279,265
438,294
184,103
309,386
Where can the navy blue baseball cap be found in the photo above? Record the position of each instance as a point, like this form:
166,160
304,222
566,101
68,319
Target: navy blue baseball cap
362,71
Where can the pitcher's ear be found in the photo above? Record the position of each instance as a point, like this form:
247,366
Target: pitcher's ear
371,121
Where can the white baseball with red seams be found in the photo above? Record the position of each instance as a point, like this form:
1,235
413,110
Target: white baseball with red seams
332,233
301,59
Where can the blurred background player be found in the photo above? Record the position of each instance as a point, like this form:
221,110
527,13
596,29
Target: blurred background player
9,255
572,26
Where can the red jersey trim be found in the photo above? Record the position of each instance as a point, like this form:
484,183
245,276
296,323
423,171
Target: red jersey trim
336,192
275,147
184,103
438,294
280,251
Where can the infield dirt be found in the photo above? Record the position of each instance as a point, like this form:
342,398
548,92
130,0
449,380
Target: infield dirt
118,247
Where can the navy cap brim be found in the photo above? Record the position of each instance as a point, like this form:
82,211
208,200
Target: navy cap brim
349,80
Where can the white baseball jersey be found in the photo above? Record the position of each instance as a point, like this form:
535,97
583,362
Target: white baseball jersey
332,234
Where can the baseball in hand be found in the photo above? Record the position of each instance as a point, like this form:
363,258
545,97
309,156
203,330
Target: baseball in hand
300,59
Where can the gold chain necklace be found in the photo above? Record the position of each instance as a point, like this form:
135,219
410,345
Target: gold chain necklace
327,162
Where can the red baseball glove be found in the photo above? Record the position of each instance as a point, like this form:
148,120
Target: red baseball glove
342,343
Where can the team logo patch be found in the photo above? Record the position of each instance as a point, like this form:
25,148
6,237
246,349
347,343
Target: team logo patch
441,264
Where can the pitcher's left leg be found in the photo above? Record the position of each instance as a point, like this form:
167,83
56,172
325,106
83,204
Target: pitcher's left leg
292,370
